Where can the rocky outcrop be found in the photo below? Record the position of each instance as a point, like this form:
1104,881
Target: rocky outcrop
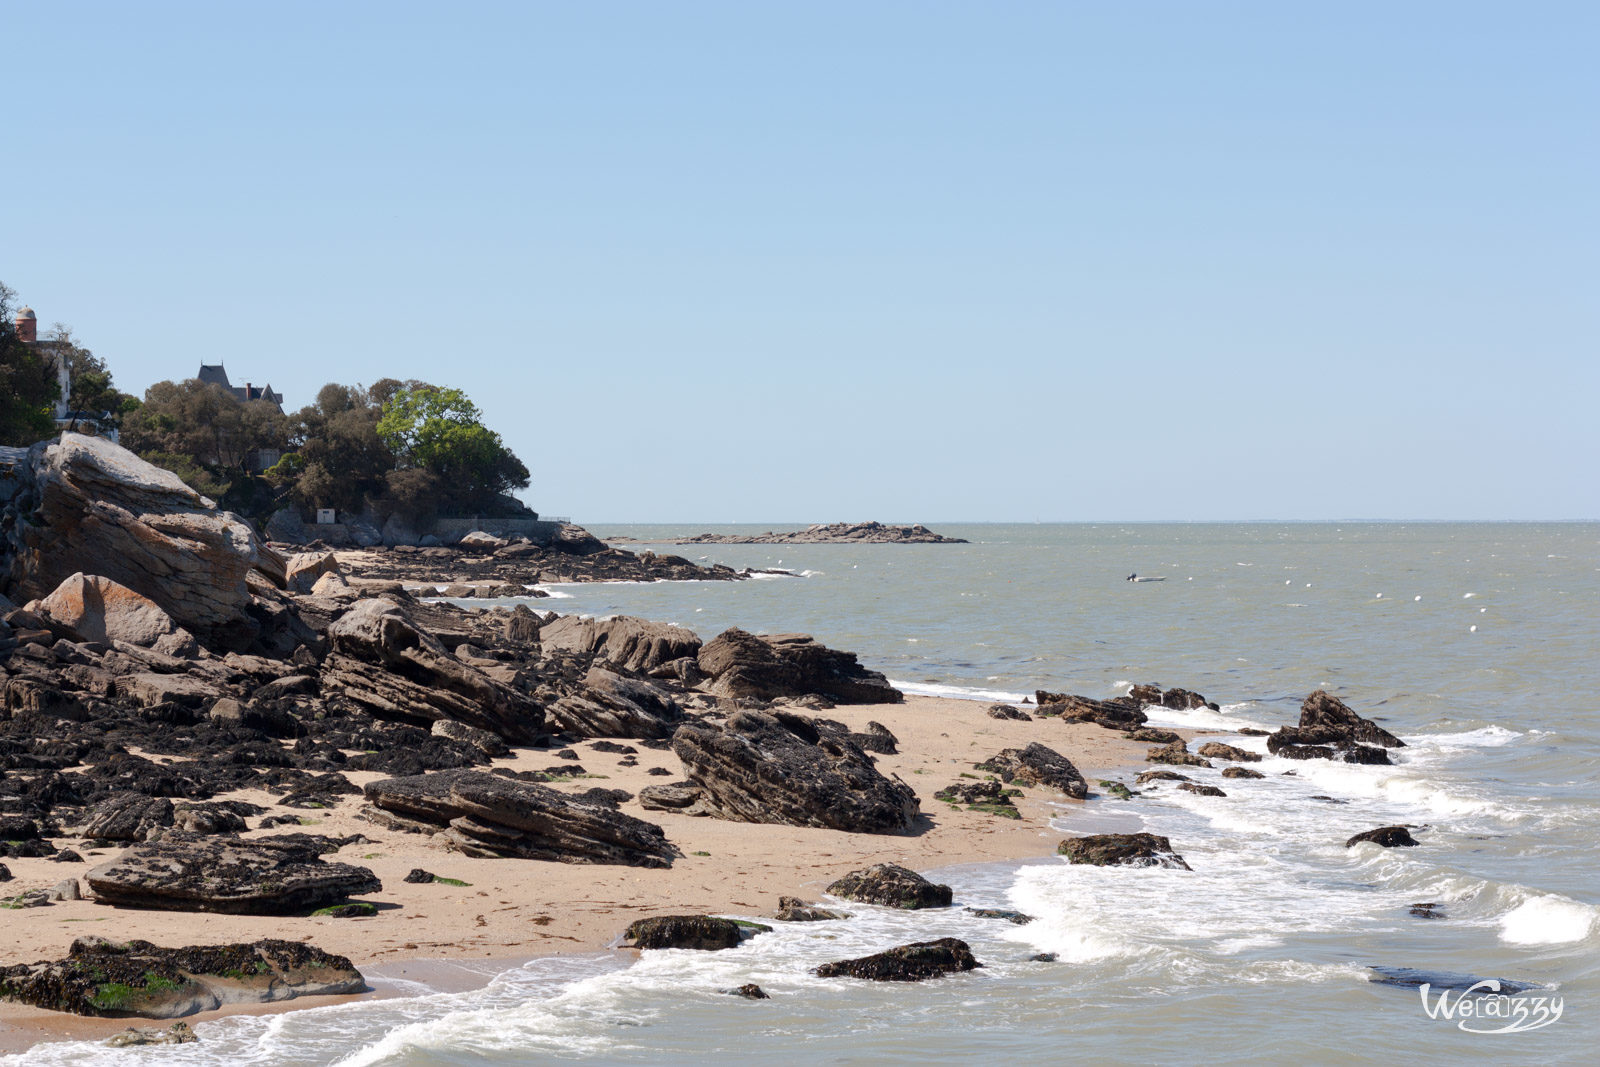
849,533
740,665
1121,850
1119,714
623,642
791,769
265,876
1241,772
1037,765
892,886
1176,699
1329,729
1202,790
906,963
101,977
128,817
95,508
703,932
393,669
481,814
1006,711
1385,837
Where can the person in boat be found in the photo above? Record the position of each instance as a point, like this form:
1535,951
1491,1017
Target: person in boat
1134,577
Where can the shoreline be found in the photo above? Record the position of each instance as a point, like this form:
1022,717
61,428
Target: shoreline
513,911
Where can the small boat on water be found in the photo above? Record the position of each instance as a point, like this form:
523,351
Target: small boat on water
1147,577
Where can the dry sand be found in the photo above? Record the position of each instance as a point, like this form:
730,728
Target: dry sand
516,909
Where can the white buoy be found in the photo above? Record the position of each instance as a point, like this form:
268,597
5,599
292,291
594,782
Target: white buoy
1472,629
1416,598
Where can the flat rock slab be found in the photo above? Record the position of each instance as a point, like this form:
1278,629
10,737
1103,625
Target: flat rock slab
266,876
107,978
490,815
906,963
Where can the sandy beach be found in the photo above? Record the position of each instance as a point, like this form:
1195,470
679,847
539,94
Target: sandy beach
517,909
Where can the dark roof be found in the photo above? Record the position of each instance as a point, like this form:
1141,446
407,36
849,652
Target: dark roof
217,374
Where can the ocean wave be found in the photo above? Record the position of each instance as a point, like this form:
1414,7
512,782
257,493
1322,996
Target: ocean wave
1548,919
958,692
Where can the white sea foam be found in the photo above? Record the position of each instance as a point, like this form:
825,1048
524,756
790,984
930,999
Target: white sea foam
1548,919
958,692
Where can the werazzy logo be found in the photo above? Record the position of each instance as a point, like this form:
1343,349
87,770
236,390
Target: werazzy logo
1480,1005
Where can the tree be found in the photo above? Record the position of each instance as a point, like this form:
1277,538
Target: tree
194,426
339,459
92,390
441,431
27,384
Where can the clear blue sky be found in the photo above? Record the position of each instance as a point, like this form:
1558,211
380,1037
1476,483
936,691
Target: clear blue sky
821,261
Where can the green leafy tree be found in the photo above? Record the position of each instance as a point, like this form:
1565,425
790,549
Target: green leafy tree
209,429
93,391
27,383
441,431
340,461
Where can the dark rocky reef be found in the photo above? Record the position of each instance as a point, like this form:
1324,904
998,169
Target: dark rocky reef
785,768
892,886
481,814
1218,750
1329,729
834,533
795,910
282,875
1122,713
100,977
906,963
1121,850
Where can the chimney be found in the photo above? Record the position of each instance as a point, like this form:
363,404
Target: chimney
27,326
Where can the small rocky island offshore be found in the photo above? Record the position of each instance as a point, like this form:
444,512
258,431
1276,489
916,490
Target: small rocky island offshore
834,533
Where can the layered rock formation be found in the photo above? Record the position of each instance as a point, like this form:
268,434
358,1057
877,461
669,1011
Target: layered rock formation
1037,765
1121,850
892,886
1330,729
743,665
785,768
481,814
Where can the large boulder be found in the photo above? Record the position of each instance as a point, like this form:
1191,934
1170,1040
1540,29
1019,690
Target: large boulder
741,664
264,876
1385,837
98,609
302,570
481,814
906,963
128,817
1037,765
96,508
623,642
792,769
1122,713
394,669
101,977
892,886
1330,729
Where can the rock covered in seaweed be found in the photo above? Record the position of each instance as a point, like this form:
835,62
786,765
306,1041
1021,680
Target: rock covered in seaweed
893,886
101,977
703,932
1037,765
1122,850
906,963
1385,837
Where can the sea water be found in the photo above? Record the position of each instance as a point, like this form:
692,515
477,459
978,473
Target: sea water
1476,643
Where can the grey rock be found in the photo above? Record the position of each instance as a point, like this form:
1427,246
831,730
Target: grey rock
742,664
264,876
892,886
1038,765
